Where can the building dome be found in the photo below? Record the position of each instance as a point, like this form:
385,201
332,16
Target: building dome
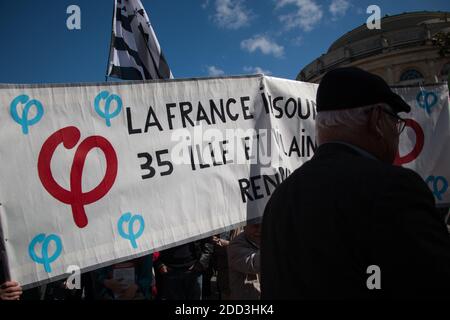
402,51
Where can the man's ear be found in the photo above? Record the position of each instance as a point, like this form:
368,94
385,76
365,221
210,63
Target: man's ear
373,125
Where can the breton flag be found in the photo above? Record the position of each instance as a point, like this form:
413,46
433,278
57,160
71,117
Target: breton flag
135,53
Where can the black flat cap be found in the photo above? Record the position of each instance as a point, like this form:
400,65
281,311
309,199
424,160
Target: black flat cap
351,87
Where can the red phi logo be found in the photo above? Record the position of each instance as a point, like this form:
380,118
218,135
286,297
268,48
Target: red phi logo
418,147
69,137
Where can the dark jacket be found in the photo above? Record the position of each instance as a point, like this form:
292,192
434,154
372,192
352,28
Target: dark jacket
184,256
342,212
244,268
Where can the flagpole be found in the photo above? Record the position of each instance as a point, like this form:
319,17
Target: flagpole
111,40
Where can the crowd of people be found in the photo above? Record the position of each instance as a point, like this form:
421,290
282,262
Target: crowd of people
185,272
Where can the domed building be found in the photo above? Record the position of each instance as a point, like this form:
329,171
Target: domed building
403,51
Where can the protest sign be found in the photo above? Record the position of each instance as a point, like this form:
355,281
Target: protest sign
94,174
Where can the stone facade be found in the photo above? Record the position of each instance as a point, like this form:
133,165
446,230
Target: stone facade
402,52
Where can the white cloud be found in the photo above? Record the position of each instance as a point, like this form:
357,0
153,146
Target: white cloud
205,4
306,17
257,70
231,14
338,8
297,41
213,71
264,44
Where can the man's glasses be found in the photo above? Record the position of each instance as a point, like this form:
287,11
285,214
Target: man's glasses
400,122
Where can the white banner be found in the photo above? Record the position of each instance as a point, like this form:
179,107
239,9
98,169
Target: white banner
93,174
425,144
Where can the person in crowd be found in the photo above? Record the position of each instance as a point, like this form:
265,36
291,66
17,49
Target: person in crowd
59,290
207,274
348,223
181,269
220,261
130,280
156,276
244,264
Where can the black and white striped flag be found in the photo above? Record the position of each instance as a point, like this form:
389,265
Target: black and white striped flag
135,53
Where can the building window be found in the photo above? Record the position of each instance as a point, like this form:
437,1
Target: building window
411,74
445,70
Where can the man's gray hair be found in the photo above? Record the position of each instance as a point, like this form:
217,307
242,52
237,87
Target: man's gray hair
347,118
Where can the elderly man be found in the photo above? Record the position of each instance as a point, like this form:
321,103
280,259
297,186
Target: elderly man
349,224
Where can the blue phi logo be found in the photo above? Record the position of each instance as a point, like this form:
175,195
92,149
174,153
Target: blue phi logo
426,100
106,112
23,119
130,234
44,258
439,185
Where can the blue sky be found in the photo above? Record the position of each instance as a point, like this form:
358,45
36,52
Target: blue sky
198,37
